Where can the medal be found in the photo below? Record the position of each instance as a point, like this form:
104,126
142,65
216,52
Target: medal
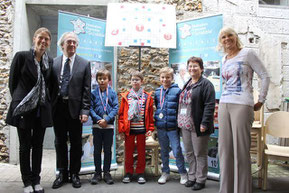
162,100
102,101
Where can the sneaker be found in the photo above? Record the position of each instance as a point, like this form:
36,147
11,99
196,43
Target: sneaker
28,189
107,178
184,178
141,179
164,177
127,178
95,179
38,189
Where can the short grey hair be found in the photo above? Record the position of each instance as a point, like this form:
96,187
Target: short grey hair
63,38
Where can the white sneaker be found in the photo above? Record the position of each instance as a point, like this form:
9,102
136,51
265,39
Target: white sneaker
38,189
164,177
141,179
28,189
184,178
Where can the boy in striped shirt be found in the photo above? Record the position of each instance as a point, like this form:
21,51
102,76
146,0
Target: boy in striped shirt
136,122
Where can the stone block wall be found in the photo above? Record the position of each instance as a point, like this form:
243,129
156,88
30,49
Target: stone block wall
6,51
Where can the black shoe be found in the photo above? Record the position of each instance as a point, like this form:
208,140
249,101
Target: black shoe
127,178
107,178
198,186
75,181
95,179
190,183
60,180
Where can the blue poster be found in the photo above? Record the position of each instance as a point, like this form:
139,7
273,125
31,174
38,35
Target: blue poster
91,34
198,37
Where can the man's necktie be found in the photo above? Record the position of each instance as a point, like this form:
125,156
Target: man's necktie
65,79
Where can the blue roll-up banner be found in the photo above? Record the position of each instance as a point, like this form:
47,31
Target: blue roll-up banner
91,34
199,37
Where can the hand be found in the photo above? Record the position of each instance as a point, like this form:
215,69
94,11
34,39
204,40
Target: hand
149,133
202,129
83,118
258,106
102,123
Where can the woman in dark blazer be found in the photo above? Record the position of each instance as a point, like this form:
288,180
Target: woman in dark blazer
195,118
30,109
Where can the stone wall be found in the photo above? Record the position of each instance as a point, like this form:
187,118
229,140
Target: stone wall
6,51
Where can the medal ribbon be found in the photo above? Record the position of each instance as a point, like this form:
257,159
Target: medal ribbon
139,106
162,98
104,106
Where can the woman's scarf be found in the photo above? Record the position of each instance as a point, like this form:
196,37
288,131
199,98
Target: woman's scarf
38,92
134,111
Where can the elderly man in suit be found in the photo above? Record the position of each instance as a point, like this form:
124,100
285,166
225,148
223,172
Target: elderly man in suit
71,77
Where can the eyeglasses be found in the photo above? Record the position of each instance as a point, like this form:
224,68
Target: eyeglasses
69,42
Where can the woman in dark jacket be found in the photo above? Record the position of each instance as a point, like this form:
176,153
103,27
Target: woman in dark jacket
30,109
195,118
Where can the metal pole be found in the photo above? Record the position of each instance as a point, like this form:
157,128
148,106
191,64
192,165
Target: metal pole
139,58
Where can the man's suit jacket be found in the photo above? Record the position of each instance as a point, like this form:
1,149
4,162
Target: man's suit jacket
79,89
22,78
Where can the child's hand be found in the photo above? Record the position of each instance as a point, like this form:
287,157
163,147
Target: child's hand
102,123
149,133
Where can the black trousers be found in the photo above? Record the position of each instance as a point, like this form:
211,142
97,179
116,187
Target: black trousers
31,141
102,138
65,126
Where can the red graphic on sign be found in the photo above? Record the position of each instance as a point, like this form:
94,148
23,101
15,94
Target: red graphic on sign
114,32
164,25
139,27
119,43
168,36
142,44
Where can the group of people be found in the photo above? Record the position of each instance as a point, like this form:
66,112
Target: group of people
47,92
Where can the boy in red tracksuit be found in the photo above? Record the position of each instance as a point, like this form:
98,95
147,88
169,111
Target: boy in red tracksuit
136,122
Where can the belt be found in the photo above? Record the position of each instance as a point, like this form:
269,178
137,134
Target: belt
170,129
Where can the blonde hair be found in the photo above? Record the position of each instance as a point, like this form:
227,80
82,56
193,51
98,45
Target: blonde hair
167,70
228,30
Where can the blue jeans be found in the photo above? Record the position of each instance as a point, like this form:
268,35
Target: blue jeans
167,139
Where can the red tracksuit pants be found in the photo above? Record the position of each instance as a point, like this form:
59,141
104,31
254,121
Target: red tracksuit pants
129,150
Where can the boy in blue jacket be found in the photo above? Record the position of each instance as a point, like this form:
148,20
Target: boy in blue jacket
166,101
104,108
